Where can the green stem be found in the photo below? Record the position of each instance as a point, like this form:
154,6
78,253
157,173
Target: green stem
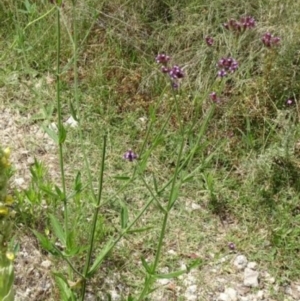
94,222
60,125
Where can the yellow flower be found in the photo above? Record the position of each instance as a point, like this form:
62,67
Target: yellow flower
6,152
10,256
5,161
9,200
3,211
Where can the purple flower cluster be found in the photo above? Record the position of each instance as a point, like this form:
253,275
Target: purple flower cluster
175,73
214,97
244,23
130,155
209,41
269,40
226,65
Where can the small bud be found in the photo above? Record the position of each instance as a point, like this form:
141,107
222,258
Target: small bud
209,41
130,155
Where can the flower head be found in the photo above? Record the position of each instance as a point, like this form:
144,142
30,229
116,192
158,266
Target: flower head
290,102
226,65
162,59
130,155
209,41
269,40
245,22
231,246
176,72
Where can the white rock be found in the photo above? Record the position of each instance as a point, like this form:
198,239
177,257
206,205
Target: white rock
172,252
195,206
252,265
244,298
115,296
163,281
260,295
251,278
192,289
71,122
240,262
231,293
52,126
19,181
223,297
191,293
46,264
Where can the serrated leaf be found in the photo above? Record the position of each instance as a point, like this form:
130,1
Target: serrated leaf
57,229
107,248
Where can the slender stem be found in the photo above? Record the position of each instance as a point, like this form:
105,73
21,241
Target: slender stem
169,207
60,125
94,222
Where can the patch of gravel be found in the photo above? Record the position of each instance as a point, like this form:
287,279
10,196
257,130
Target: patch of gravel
27,141
231,278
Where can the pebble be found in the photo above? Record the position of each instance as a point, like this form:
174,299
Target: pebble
251,278
240,262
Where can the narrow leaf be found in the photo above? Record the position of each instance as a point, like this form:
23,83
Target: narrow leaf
146,265
155,184
45,243
66,293
139,230
57,229
107,248
62,134
174,197
51,133
122,178
124,217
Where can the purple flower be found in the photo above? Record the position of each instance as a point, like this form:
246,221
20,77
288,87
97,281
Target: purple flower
162,59
209,41
231,246
214,97
269,40
290,102
130,155
244,23
176,72
222,73
248,22
165,69
227,65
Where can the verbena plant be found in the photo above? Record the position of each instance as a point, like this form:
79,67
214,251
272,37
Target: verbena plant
223,127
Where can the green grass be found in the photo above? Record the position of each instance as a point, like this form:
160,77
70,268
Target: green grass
245,166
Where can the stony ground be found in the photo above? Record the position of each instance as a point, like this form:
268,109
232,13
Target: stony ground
232,278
